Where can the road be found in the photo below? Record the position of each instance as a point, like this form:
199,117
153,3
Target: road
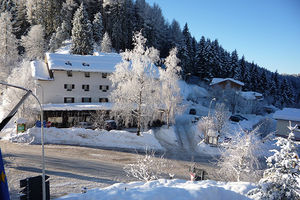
72,167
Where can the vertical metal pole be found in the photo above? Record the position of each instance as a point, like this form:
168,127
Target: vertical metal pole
42,132
42,141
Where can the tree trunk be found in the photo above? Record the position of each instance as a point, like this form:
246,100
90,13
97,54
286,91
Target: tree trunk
139,115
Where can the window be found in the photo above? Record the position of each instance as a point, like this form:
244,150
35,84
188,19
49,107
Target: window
86,87
69,87
104,75
104,88
68,63
103,100
69,73
87,74
86,99
69,100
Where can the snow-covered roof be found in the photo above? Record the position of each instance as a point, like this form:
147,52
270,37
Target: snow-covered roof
39,70
250,95
219,80
77,106
104,62
292,114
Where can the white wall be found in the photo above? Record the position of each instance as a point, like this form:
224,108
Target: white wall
54,91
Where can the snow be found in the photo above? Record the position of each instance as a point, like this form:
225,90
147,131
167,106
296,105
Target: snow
39,70
192,91
249,95
77,106
104,62
86,137
219,80
292,114
168,189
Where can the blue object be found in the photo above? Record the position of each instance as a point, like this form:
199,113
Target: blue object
38,123
4,193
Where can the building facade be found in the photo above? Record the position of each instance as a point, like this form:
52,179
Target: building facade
73,87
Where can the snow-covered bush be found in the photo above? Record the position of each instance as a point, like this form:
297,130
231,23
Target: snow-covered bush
99,117
147,167
238,162
280,179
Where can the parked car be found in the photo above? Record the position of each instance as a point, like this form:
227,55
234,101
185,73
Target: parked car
110,125
192,111
195,119
87,125
237,118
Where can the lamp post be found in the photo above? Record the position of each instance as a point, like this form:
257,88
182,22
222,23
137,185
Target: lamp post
12,113
214,99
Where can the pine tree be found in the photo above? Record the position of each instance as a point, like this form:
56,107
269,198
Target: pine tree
21,25
82,36
98,28
280,179
68,9
235,66
106,44
254,77
8,46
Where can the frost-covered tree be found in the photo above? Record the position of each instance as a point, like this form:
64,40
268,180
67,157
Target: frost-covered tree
239,161
82,35
135,84
34,43
8,46
21,76
221,116
170,90
205,124
58,37
98,28
106,43
280,179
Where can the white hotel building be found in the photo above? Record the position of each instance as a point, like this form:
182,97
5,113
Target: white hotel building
73,86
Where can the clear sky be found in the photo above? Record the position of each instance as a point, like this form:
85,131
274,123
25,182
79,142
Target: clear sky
264,31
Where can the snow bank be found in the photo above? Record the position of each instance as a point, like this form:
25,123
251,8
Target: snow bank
86,137
168,189
167,135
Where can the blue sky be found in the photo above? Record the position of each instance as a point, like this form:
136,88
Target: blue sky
264,31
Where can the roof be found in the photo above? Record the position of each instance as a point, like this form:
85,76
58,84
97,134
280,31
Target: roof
292,114
39,70
77,106
250,95
104,62
219,80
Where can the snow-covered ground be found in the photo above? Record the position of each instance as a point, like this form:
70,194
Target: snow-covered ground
85,137
163,189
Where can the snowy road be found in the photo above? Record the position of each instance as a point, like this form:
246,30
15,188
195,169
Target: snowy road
71,168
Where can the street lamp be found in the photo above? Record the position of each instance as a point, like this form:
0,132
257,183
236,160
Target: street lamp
214,99
13,112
